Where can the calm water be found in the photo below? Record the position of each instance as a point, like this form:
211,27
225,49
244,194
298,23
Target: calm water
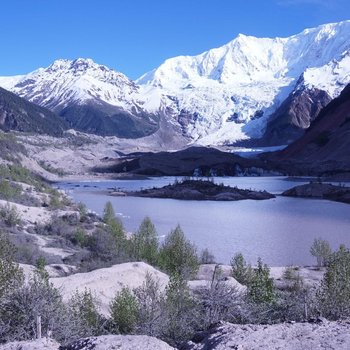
279,230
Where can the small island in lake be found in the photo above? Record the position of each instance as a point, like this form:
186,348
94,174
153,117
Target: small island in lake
198,190
320,190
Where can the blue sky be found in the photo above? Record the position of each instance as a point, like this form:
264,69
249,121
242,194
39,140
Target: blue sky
135,36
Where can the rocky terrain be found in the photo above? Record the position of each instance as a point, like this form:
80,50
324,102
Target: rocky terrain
320,190
198,190
324,147
287,336
107,342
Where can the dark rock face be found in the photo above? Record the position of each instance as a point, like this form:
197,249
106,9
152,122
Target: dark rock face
200,190
294,116
193,161
325,146
18,114
319,190
107,120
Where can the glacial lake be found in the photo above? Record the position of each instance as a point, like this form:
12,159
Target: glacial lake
279,230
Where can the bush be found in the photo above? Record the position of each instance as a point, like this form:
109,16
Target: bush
240,270
218,302
321,250
145,242
20,308
83,306
124,312
150,302
333,295
261,288
178,256
10,273
9,191
10,215
180,312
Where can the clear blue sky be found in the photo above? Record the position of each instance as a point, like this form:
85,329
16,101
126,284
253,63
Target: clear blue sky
135,36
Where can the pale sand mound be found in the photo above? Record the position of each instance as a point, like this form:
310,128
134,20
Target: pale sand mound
286,336
120,342
105,283
42,344
107,342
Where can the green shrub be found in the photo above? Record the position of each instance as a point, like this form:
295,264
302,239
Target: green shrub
178,256
333,295
240,270
321,250
145,242
10,215
261,288
124,311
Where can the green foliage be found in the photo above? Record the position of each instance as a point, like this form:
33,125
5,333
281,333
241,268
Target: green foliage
80,237
124,311
10,273
261,287
9,191
83,307
180,311
240,270
10,215
177,255
40,268
321,250
108,213
333,296
145,242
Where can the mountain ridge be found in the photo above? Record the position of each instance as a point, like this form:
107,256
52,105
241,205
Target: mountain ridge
218,97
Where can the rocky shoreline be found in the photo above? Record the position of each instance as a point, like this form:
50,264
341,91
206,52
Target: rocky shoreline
320,190
197,190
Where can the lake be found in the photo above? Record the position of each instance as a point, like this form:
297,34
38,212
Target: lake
279,230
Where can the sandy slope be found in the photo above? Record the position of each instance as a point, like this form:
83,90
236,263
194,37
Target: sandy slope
105,283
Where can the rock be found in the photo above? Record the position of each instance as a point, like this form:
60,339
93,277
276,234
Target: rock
320,190
120,342
42,344
106,342
286,336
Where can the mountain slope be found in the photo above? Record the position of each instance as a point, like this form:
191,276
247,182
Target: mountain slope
326,144
89,96
18,114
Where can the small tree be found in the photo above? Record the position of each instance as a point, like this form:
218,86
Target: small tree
177,255
240,270
151,307
333,296
10,215
11,274
180,312
115,227
108,213
261,288
219,301
145,242
321,250
83,306
124,311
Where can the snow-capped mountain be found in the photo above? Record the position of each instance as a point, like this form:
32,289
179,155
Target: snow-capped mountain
88,94
228,93
220,96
